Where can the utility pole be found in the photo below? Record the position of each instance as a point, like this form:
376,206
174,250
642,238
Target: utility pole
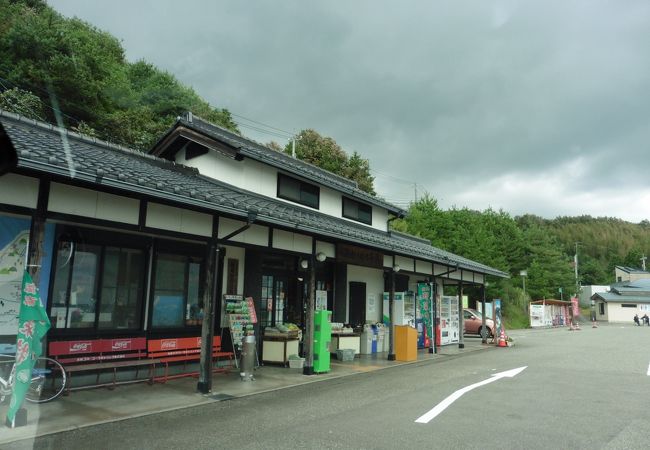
293,140
415,188
524,274
575,260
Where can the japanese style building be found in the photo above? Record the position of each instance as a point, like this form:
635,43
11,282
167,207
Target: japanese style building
142,245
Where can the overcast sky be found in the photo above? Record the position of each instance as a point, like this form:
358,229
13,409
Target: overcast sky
535,107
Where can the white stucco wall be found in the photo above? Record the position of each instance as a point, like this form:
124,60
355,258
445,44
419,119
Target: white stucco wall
374,279
18,190
177,219
260,178
423,267
88,203
285,240
599,316
616,313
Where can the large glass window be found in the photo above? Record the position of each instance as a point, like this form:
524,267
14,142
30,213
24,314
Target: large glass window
122,288
97,286
358,211
298,191
177,291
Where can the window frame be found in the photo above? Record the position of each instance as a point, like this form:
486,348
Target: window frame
188,252
359,205
303,187
102,239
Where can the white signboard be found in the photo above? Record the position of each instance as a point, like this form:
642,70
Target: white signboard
321,300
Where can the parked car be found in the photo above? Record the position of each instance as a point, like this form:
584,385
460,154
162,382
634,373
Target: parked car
473,322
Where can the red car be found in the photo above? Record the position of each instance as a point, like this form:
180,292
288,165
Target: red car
473,322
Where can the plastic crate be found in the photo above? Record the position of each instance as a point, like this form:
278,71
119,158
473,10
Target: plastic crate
345,354
296,363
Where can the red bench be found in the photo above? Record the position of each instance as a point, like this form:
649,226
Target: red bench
100,355
183,350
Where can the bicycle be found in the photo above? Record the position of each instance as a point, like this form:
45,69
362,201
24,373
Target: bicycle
48,379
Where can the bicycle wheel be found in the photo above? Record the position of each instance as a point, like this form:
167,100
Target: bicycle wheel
6,366
48,381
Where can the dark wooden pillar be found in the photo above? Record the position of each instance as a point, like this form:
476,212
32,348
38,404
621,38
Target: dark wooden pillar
37,233
309,319
461,318
207,331
391,309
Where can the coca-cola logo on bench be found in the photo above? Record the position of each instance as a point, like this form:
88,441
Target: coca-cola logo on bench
121,344
168,344
79,347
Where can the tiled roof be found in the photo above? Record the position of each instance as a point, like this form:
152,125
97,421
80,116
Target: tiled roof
632,270
256,151
615,298
42,148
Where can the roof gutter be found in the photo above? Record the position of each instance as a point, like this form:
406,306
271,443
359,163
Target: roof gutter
252,217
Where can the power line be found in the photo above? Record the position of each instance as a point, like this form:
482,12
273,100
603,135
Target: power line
262,124
401,180
261,130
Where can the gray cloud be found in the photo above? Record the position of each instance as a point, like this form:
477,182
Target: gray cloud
462,97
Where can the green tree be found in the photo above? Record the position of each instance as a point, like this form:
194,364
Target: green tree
23,103
549,268
325,153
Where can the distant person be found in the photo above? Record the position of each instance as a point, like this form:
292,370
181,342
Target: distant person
636,319
646,319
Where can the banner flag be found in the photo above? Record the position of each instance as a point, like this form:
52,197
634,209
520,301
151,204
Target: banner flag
33,325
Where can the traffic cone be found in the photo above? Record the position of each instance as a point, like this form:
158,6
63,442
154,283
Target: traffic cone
502,340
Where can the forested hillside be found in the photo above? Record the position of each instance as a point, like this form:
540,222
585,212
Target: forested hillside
544,248
602,243
50,63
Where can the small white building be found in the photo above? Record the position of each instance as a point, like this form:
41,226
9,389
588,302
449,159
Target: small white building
586,292
623,301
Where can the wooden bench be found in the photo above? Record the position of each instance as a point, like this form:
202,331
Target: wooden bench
183,350
100,355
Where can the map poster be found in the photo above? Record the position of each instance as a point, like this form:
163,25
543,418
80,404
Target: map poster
14,239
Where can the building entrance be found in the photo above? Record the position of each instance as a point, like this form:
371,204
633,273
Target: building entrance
274,300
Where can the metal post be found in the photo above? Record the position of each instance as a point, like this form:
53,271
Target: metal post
391,324
308,348
204,385
461,325
483,325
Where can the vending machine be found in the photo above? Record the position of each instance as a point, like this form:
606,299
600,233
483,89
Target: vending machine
322,340
405,308
448,321
399,308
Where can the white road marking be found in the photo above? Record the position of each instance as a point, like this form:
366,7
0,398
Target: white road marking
440,407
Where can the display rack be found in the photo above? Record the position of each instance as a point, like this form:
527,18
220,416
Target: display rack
241,316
